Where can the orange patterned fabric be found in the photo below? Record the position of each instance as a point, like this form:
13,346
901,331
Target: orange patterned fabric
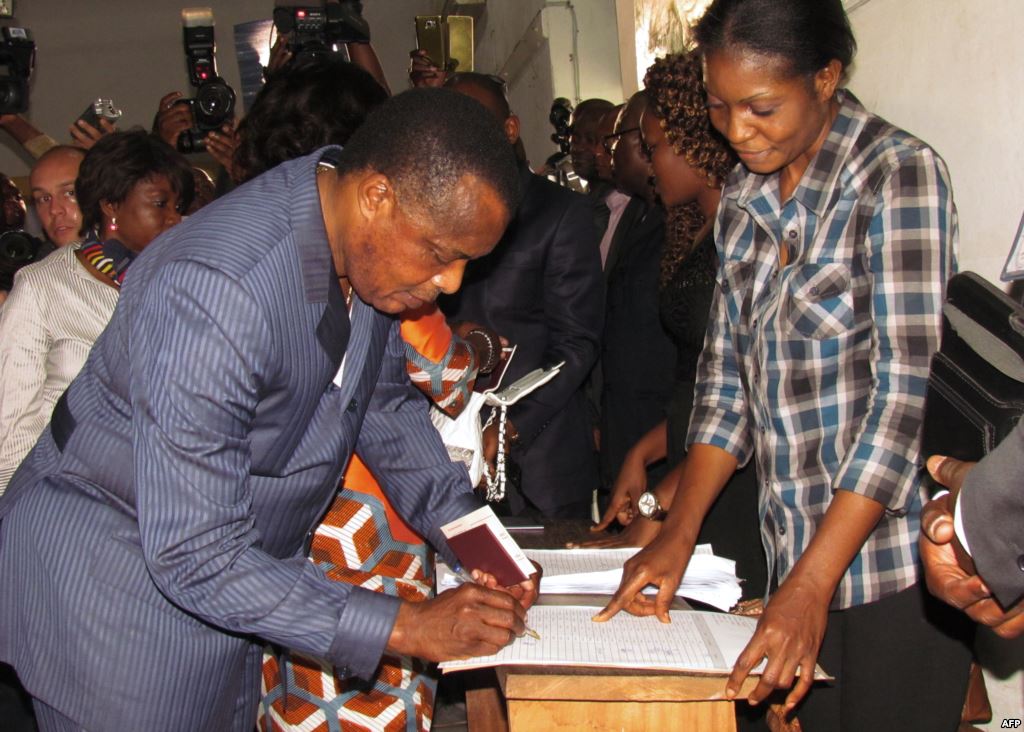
440,364
359,478
363,541
354,544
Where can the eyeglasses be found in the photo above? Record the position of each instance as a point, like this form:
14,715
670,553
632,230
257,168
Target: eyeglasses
610,141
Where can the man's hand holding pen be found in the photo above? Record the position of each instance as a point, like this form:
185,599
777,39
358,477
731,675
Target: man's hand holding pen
525,593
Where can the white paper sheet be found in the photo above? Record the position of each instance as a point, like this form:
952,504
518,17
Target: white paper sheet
701,642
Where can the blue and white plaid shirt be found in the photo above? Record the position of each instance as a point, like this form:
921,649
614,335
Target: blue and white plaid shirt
818,369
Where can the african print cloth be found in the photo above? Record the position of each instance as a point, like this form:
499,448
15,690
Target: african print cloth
355,543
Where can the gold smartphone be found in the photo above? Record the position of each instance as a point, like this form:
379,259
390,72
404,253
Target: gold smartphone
448,40
430,38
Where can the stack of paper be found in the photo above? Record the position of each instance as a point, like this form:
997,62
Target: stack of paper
708,579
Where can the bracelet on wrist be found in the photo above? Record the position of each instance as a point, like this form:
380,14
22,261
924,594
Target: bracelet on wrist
485,364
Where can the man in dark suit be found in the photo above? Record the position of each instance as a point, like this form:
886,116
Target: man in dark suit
637,357
541,289
153,540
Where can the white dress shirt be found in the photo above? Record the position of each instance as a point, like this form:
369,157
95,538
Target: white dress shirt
52,316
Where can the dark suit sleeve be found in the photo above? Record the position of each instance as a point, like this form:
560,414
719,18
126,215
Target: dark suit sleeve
402,448
573,313
200,349
992,506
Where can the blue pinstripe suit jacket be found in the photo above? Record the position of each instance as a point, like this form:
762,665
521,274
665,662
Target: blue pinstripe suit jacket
154,537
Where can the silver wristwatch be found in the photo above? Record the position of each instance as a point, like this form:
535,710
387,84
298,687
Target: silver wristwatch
650,507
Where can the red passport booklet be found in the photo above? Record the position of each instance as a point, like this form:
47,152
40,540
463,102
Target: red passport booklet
480,542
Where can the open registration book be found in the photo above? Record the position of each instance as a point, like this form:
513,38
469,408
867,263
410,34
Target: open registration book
708,579
694,642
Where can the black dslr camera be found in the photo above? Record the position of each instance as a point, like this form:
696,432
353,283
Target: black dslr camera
17,57
214,102
318,30
559,165
17,248
559,117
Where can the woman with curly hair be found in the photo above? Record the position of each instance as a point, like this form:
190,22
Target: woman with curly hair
690,161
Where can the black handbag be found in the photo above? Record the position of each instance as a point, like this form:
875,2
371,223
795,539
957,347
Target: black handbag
976,381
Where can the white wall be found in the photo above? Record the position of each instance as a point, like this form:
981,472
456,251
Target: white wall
952,73
132,52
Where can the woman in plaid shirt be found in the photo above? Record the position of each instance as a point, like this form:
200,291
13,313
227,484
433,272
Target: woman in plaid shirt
835,237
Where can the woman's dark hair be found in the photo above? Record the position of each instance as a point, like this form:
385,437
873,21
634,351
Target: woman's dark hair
120,161
306,105
807,34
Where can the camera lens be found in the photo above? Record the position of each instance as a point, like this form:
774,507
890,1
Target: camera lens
215,103
18,247
13,96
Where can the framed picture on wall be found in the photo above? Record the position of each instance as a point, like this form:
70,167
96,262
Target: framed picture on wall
1014,268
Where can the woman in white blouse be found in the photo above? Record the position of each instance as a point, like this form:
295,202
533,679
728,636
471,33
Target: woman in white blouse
131,187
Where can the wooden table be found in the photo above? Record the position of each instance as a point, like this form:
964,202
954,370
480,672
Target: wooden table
526,698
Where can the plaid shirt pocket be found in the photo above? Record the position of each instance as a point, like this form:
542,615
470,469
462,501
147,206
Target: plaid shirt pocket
820,300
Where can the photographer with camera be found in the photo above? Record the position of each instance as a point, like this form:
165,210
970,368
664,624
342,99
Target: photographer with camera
311,31
17,247
174,118
206,121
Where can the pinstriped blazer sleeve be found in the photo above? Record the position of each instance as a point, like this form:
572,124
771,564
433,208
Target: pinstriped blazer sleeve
403,449
199,345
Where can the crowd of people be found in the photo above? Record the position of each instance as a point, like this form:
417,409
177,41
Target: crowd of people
221,485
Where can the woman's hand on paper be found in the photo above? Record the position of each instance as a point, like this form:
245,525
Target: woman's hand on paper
789,634
468,621
629,484
639,533
661,564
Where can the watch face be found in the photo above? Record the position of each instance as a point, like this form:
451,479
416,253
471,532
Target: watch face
647,504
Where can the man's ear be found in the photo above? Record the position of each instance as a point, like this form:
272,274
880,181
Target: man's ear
376,195
512,129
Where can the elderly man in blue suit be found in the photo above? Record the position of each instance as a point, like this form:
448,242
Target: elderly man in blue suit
154,538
